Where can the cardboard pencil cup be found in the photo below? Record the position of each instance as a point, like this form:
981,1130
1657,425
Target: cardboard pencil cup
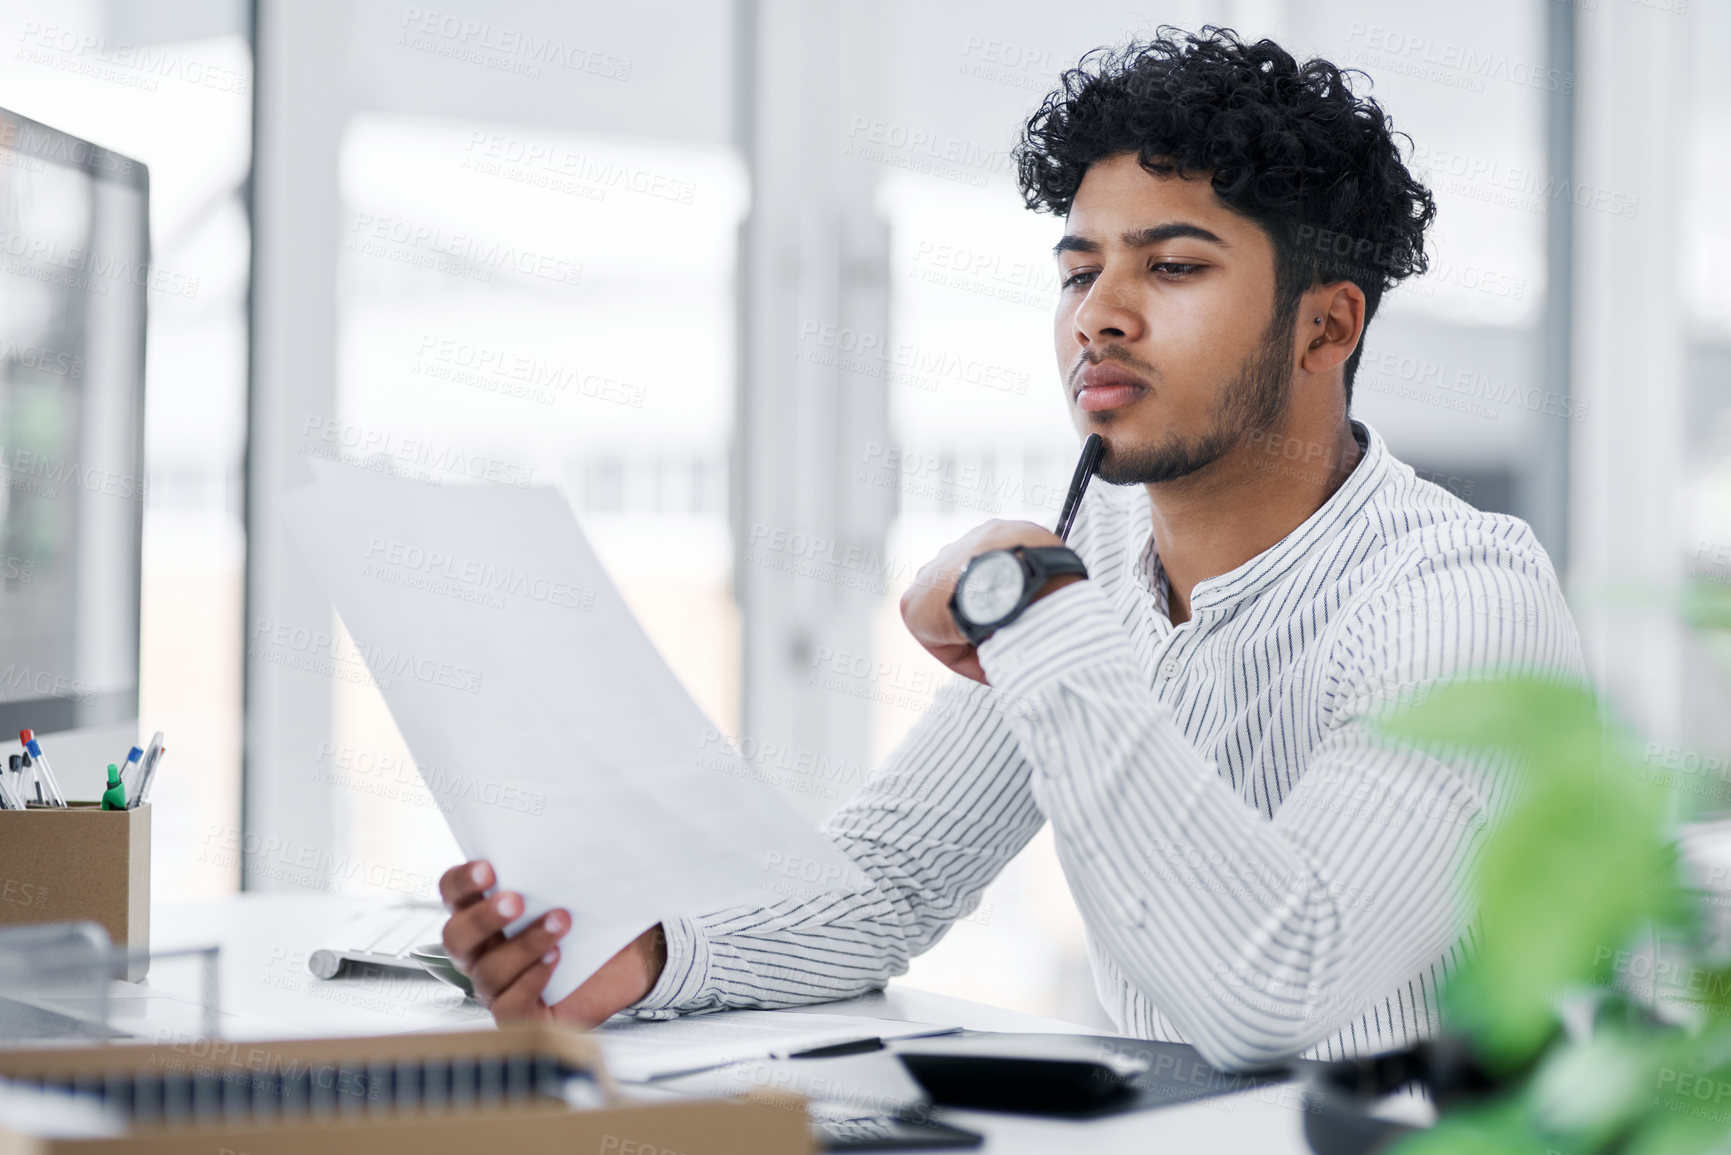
80,862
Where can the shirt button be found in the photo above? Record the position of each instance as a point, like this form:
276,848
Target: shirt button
1169,668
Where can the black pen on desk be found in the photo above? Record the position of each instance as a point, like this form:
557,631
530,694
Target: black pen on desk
861,1046
1092,450
834,1050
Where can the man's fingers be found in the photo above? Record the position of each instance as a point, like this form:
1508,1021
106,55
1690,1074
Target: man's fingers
522,999
462,886
501,964
469,932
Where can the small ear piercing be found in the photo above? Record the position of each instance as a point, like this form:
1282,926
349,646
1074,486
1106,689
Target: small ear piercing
1319,320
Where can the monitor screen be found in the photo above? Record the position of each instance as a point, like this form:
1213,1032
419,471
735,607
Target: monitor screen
74,271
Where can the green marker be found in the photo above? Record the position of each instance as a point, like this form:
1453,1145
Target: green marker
114,798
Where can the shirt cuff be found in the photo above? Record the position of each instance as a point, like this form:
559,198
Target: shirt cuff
683,978
1071,627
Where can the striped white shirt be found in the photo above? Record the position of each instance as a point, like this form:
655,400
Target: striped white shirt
1260,875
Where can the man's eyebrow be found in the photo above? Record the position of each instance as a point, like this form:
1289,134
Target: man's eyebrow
1140,238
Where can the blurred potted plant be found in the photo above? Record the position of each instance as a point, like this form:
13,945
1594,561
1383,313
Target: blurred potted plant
1578,883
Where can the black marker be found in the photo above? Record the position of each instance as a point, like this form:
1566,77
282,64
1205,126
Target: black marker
1092,450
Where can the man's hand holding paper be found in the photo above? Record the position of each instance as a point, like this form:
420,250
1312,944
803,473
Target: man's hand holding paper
563,697
510,974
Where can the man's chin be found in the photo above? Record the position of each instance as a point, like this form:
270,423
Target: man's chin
1133,460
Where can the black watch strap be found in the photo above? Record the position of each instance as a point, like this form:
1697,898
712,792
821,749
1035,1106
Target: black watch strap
1050,561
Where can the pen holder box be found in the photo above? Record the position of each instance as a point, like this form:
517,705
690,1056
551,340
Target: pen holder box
373,1096
80,862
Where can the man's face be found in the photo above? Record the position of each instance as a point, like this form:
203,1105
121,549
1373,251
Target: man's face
1163,330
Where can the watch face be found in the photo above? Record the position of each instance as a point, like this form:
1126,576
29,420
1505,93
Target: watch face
991,587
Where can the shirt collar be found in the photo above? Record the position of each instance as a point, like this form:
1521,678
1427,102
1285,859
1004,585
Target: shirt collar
1254,575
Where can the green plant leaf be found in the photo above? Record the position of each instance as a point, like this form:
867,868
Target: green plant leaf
1500,1129
1550,723
1689,1100
1573,869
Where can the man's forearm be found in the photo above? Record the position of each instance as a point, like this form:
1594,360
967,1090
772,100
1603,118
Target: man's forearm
930,829
790,954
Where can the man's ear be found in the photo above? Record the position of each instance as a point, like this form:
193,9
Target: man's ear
1330,323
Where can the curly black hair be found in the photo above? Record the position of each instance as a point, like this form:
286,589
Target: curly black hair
1289,147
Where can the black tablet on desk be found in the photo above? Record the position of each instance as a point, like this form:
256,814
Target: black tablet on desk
1069,1076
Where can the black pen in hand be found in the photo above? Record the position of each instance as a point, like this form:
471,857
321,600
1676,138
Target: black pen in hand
1092,450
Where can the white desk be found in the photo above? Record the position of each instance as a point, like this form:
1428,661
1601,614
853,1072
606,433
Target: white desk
266,992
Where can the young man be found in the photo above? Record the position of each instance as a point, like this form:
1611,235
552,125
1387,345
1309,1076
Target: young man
1188,698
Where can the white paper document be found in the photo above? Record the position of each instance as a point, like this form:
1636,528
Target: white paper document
640,1051
552,734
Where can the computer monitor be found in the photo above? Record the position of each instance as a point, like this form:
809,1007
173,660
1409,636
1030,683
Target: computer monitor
74,271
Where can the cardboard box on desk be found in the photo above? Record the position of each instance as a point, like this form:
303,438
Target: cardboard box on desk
770,1124
80,862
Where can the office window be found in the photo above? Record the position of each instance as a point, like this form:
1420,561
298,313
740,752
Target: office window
508,270
554,308
1701,764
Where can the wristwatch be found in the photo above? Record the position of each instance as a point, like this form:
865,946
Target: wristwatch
998,585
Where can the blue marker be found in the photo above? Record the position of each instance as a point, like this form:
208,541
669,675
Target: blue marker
146,771
130,765
44,772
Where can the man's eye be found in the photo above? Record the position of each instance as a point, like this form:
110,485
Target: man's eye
1166,270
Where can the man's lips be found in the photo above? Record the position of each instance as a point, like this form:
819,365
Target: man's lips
1107,386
